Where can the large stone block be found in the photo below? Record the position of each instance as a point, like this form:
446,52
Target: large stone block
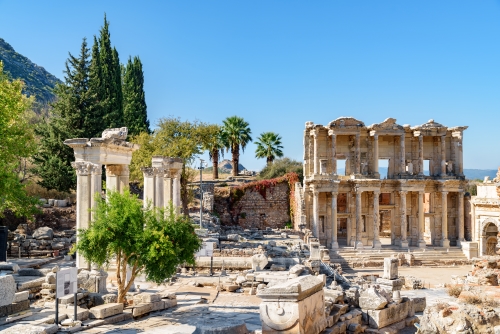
294,306
9,266
7,290
43,233
371,299
30,329
169,303
14,308
142,309
259,261
390,315
390,268
106,310
21,296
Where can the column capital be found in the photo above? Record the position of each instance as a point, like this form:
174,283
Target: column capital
403,192
84,167
444,192
148,171
332,133
334,193
376,192
313,133
117,170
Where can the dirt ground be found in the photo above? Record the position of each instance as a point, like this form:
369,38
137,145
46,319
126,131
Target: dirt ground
431,276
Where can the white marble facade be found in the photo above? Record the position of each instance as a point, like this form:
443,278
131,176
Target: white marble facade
416,200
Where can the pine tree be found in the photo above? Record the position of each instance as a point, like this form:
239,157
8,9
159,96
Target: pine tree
69,119
134,102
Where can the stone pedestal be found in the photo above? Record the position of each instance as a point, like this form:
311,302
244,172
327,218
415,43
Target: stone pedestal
445,243
390,315
404,244
390,268
295,306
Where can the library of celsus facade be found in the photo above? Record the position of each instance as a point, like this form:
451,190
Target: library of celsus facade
383,183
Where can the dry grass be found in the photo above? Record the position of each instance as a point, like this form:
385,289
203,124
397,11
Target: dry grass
454,290
36,190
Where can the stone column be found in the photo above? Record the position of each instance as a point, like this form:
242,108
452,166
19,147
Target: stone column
83,201
159,187
334,151
113,173
375,155
167,189
359,242
95,184
420,155
460,157
176,190
404,222
316,157
149,186
421,220
443,156
335,244
444,220
315,222
461,226
376,220
358,156
123,178
402,163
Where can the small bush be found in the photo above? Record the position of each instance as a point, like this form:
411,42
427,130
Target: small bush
454,290
474,300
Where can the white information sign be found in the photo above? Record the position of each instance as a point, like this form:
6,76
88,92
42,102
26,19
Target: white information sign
66,282
207,249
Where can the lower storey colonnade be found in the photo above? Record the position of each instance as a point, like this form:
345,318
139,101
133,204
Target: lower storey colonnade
366,216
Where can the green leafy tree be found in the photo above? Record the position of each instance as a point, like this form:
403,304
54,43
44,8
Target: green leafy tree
71,117
215,146
134,101
269,146
150,241
236,134
172,138
280,167
17,141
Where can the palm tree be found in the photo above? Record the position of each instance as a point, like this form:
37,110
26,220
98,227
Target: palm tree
269,146
215,147
235,133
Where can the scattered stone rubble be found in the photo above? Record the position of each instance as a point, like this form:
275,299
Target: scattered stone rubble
43,241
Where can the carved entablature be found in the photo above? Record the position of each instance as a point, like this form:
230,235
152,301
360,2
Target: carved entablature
486,202
346,124
457,131
117,133
117,170
148,171
387,127
430,128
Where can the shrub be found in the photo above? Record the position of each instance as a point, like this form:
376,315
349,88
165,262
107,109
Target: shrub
454,290
280,167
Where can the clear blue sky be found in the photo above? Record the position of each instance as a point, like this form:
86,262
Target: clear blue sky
279,64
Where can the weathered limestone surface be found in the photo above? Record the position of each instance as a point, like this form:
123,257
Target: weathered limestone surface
294,306
142,308
390,315
259,261
106,310
371,299
390,268
29,329
21,296
14,308
7,290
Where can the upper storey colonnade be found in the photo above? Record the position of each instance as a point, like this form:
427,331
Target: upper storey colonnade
430,150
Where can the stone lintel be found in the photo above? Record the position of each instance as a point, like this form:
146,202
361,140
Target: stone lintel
294,289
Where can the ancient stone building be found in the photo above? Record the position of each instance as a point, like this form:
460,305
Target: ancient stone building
485,214
417,199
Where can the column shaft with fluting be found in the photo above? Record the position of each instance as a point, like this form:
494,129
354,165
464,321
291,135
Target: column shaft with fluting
376,220
315,227
335,244
444,219
359,227
421,220
404,222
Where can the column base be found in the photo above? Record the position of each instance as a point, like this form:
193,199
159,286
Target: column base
377,244
335,245
445,243
404,244
460,242
359,245
422,244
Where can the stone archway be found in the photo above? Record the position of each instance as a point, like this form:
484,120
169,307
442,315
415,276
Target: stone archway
488,237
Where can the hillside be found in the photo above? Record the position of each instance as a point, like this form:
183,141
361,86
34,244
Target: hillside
38,81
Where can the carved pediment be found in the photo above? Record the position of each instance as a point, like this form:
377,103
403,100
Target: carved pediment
389,125
346,122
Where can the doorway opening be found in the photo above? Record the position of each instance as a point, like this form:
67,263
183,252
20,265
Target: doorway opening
383,168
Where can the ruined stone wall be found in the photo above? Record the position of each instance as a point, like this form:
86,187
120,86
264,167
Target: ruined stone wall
268,207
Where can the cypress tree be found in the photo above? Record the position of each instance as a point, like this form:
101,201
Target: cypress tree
68,119
134,101
112,102
95,125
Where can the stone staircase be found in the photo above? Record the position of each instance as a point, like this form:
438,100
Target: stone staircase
350,258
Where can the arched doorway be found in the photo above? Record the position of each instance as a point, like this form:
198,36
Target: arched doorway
489,238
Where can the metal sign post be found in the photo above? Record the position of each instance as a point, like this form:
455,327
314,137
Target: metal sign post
66,284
